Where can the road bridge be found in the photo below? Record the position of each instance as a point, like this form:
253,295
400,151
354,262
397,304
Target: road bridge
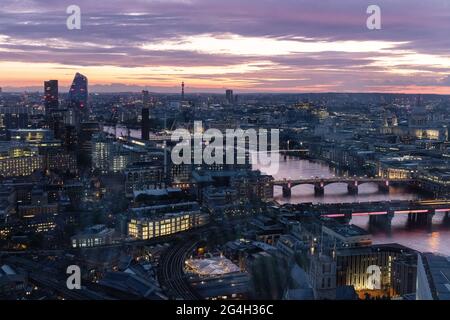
320,183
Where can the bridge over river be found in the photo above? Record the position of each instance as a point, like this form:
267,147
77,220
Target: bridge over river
352,183
381,213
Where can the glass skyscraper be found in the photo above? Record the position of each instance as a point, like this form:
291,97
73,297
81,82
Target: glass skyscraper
78,94
51,96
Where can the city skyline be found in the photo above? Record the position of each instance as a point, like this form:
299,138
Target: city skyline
293,46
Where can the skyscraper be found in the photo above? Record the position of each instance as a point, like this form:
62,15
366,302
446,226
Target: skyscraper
145,98
145,124
51,96
78,94
182,91
229,96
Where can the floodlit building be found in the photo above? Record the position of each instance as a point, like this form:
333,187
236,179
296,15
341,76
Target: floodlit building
97,235
161,220
148,228
19,160
212,266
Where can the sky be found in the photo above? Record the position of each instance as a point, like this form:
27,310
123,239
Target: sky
212,45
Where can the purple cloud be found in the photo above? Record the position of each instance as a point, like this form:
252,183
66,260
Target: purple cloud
113,33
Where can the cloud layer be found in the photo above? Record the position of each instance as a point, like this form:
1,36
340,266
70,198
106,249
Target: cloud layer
249,45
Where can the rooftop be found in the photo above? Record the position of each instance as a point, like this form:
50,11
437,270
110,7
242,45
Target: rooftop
438,270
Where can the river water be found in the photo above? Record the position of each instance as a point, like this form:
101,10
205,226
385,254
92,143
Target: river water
419,238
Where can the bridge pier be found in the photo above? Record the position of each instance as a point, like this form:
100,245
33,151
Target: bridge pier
319,189
352,187
383,186
348,218
415,218
429,217
422,219
446,218
383,222
287,192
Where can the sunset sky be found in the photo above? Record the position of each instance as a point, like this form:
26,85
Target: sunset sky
246,45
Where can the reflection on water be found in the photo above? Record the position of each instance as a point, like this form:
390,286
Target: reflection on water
294,168
420,238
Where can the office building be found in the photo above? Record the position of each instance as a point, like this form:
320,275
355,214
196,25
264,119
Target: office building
51,96
161,220
229,96
145,124
78,94
19,160
94,236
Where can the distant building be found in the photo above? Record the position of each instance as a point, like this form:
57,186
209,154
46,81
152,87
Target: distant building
435,180
37,206
252,185
55,159
19,160
145,98
182,91
162,220
32,136
97,235
78,94
143,176
14,117
87,131
51,96
111,156
145,124
336,235
219,200
102,149
229,96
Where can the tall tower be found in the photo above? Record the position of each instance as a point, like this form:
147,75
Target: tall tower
78,94
182,91
145,98
145,123
51,96
419,101
229,96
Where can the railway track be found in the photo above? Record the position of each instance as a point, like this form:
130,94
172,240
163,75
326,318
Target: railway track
171,272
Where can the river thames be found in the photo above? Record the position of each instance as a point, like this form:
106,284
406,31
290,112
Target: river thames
419,238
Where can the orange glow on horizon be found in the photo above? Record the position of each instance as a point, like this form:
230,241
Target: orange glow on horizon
211,78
